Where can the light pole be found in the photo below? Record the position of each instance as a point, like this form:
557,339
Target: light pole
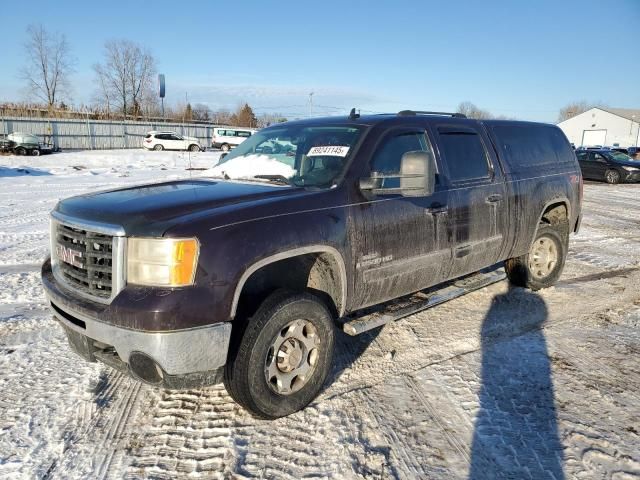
310,104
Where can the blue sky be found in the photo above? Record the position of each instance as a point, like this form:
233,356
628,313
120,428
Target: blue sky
523,59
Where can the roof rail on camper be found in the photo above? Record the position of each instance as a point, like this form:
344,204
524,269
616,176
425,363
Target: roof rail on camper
408,113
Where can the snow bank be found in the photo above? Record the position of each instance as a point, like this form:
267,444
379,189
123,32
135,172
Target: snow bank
105,160
248,166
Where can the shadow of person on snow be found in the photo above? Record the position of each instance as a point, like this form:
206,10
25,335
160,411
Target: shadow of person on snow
516,430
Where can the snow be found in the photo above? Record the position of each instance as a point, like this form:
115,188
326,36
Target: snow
248,166
501,382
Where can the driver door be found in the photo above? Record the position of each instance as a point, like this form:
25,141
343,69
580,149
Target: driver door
400,243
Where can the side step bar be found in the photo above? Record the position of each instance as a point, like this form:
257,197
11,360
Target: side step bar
405,306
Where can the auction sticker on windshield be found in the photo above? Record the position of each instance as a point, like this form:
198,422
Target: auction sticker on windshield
334,151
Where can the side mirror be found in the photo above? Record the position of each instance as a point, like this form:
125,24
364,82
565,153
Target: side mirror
222,155
417,174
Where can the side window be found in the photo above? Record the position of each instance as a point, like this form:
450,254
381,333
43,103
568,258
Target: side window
387,158
582,156
599,158
464,154
230,133
221,133
244,134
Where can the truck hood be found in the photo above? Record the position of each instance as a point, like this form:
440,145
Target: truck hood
150,210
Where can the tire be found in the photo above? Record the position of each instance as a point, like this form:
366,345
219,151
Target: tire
268,346
612,176
225,148
157,147
21,151
194,148
35,152
526,271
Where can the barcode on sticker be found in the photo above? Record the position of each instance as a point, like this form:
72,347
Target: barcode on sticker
334,151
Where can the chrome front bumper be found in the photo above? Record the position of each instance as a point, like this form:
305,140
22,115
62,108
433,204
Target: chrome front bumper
179,352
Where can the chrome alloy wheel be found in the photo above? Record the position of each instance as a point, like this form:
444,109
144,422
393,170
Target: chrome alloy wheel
292,357
543,257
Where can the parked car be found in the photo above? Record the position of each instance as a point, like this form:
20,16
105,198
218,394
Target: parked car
227,138
25,144
170,141
634,152
192,282
608,165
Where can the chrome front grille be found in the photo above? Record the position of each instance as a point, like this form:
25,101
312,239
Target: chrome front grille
88,257
85,260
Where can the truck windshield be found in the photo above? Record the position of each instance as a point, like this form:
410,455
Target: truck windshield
309,156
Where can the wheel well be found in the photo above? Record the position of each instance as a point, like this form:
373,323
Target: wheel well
318,273
555,214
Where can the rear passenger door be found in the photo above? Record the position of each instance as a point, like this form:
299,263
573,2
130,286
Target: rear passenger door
583,161
477,196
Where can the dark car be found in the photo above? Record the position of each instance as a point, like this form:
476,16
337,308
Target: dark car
243,278
608,165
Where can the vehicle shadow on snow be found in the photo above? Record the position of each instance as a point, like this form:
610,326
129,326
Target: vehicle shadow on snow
516,429
21,171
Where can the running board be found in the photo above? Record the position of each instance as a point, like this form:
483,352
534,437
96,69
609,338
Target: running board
420,301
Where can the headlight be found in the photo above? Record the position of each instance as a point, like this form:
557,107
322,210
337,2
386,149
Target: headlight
631,169
162,262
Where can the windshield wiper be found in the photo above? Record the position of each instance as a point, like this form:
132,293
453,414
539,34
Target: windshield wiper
279,179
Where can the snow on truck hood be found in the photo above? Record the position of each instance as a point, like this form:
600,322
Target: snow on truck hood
247,167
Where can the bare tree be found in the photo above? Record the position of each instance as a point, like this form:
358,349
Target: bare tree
576,108
201,112
49,64
472,111
126,76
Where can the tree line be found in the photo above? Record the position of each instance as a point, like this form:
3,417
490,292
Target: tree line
125,82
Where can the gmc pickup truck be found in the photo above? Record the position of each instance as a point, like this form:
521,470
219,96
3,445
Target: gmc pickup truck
306,227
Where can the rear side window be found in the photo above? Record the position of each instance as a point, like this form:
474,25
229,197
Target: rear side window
581,155
524,146
243,134
464,154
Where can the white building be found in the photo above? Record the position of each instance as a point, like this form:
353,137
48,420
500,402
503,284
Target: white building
604,126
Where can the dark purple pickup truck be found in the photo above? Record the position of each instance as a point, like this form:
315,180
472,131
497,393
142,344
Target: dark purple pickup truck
307,226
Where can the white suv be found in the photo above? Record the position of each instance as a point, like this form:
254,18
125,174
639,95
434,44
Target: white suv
170,141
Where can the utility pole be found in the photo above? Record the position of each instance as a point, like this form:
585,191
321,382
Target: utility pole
310,104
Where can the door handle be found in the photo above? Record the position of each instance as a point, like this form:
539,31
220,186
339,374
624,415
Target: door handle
436,207
494,198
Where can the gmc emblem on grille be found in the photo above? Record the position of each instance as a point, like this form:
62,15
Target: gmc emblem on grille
70,256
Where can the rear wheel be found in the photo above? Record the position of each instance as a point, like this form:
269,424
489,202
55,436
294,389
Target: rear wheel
35,152
21,151
542,265
612,176
282,359
158,147
224,147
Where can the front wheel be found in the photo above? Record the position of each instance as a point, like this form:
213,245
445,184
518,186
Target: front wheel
194,148
225,148
35,152
542,265
21,151
280,362
158,147
612,176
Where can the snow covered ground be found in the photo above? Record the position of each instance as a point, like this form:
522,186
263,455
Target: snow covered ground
489,385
